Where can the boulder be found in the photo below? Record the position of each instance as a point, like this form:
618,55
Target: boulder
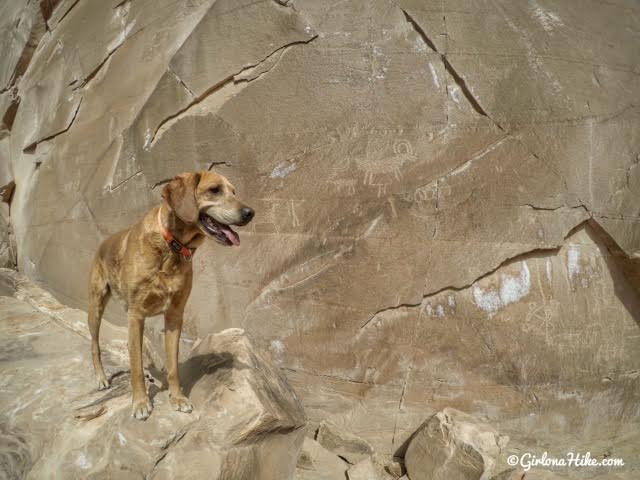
247,423
453,445
317,463
253,424
350,447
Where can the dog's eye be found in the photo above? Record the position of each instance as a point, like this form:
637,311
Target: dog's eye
214,190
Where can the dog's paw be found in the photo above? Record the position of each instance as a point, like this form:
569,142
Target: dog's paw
181,404
103,383
141,409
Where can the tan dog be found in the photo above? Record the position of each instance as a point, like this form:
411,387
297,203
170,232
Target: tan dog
149,267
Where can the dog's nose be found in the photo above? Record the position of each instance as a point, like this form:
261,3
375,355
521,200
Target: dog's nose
247,214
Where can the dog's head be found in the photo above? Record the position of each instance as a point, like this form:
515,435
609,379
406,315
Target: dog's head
208,201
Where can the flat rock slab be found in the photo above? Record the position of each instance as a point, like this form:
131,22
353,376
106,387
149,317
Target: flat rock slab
247,422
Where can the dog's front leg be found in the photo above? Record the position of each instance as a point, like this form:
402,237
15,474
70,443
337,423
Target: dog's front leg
141,405
172,330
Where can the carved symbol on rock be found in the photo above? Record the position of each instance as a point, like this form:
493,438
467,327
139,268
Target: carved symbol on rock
378,161
278,213
343,186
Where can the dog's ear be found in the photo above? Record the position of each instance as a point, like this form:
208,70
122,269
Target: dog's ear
180,194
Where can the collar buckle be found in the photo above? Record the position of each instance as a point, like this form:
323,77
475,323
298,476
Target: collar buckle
174,244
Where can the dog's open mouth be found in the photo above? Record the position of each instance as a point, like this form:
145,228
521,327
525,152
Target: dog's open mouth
221,232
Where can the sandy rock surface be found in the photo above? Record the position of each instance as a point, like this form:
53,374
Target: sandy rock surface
247,423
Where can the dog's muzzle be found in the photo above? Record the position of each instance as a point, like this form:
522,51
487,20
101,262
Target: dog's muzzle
224,234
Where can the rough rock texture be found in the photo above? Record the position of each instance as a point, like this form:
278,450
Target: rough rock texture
453,445
447,192
246,424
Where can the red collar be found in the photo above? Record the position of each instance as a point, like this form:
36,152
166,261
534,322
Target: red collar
174,244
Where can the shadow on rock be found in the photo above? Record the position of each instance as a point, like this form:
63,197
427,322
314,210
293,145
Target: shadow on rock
219,364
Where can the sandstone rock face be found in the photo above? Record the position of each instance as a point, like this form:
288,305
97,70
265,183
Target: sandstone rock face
247,423
447,193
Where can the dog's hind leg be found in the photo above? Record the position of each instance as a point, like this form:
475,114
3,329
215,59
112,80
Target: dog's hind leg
99,294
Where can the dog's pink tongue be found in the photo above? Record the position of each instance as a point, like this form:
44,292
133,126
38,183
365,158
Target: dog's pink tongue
231,235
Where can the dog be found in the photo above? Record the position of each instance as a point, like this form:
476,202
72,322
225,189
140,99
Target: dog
148,266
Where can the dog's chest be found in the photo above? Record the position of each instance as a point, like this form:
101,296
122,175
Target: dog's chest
172,282
163,287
